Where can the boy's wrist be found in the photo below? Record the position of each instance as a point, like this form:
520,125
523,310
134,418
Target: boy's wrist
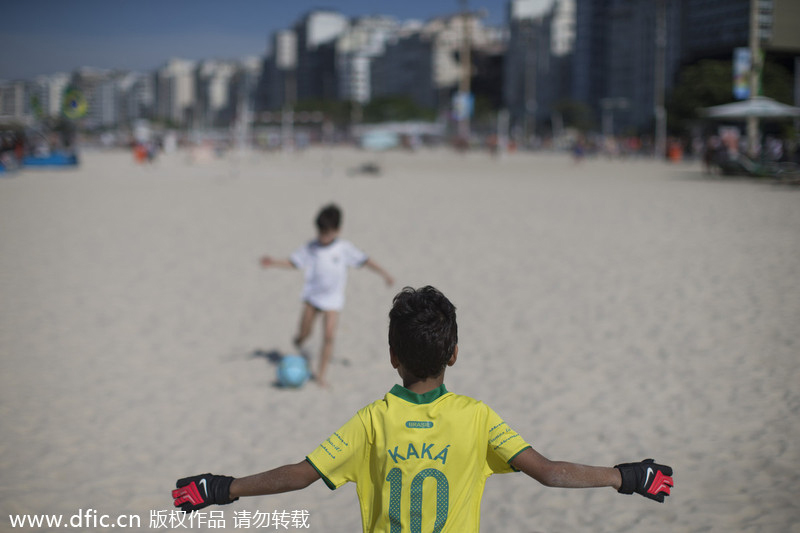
616,479
233,492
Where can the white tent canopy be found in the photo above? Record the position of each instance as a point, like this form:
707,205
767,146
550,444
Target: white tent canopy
759,107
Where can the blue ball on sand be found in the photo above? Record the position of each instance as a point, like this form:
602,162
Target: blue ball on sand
293,371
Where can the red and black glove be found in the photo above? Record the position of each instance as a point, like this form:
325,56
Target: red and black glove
647,478
197,492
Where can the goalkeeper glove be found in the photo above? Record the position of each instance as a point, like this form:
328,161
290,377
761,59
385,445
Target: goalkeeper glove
647,478
196,492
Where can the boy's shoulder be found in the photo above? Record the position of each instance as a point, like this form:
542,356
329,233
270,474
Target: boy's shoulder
337,243
400,398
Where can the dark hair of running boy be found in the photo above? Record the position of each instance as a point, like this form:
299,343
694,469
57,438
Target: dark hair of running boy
329,219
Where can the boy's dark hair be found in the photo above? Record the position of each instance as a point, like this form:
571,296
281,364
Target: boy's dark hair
423,333
329,218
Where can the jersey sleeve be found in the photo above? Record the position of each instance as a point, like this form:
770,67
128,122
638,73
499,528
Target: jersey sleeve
504,444
339,458
353,256
300,257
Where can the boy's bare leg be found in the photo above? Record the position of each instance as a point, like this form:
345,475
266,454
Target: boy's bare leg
330,320
306,322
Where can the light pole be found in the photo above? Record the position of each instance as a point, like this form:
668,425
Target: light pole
609,105
660,76
466,72
532,42
755,69
287,115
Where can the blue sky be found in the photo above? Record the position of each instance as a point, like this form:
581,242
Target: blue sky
48,36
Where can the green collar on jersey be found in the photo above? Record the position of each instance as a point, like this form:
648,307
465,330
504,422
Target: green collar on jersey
413,397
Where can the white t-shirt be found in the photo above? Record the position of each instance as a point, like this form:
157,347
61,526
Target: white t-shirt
325,269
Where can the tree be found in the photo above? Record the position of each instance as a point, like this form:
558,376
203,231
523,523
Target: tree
336,111
710,82
575,114
395,108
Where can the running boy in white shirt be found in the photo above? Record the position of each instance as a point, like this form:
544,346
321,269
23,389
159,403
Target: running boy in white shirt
325,261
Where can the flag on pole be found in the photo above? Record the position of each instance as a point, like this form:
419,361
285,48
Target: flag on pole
73,104
742,60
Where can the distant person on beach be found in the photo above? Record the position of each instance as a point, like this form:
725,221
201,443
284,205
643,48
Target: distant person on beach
711,155
325,261
420,456
579,149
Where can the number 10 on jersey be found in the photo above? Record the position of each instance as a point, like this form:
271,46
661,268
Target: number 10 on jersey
395,479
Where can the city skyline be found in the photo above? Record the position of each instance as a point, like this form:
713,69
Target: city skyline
48,37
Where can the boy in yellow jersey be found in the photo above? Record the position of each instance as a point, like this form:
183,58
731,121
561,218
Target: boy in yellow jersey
421,455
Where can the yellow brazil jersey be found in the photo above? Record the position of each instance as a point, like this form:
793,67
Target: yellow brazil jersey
419,461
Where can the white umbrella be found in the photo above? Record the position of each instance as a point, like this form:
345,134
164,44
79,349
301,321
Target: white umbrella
759,107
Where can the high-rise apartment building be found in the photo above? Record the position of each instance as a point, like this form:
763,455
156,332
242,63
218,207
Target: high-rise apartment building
316,76
406,67
563,31
277,84
424,61
99,89
537,61
175,90
13,105
617,54
49,92
617,51
713,28
214,105
139,96
526,66
356,48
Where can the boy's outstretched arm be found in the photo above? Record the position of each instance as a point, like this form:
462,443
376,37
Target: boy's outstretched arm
282,479
375,267
647,478
197,492
268,261
565,475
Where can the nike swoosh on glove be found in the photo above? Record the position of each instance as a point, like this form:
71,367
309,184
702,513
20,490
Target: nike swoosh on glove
196,492
647,478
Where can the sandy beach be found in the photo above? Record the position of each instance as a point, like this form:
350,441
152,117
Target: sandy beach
609,311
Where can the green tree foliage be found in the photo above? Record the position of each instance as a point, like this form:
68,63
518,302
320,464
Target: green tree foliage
384,109
709,82
338,112
575,114
778,83
484,113
395,108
